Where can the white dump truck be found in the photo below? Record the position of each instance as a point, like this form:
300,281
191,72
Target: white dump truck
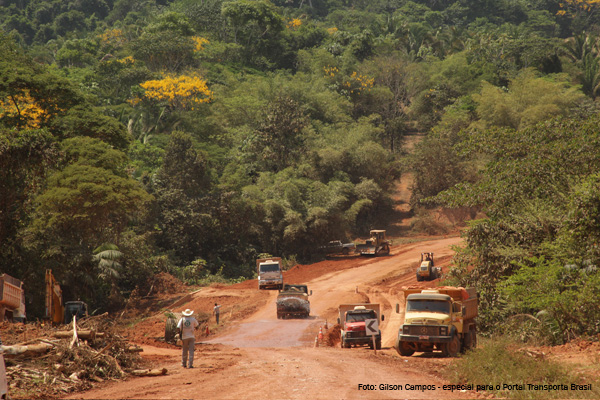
270,274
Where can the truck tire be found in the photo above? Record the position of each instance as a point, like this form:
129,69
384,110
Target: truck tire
468,341
404,349
419,279
344,344
345,251
170,330
452,348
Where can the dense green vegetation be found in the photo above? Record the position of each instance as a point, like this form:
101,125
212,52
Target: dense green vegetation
190,136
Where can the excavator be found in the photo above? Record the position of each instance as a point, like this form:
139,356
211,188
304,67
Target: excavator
57,311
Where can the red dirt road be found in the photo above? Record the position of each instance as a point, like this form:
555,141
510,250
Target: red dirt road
261,356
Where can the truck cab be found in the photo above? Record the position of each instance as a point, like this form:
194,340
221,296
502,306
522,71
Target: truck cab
269,272
75,308
352,319
438,319
293,301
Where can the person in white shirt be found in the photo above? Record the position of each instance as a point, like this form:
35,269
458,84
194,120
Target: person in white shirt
186,326
216,311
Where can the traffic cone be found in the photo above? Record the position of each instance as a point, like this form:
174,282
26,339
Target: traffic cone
316,341
207,331
326,325
320,334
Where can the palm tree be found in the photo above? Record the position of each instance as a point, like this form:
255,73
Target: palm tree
581,45
107,256
591,77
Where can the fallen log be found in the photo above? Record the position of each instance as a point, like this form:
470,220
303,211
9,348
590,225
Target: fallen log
134,349
149,372
83,334
32,348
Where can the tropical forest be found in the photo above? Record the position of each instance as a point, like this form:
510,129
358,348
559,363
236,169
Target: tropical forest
193,136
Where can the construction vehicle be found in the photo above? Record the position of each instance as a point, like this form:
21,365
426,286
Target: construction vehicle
269,273
55,309
292,301
12,299
441,319
377,245
352,320
426,270
77,309
338,247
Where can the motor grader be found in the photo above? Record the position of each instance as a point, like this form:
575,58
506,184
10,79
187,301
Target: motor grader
377,245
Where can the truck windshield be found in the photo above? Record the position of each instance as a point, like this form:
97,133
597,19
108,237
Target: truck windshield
360,317
429,306
269,267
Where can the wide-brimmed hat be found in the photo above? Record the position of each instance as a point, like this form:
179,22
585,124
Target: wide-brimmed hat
188,313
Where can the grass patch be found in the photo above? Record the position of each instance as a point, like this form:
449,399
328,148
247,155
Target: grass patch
500,363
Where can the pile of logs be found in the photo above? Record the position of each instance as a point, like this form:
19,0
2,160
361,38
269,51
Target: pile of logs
64,361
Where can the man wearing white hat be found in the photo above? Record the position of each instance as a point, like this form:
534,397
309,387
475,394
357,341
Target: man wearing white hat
186,326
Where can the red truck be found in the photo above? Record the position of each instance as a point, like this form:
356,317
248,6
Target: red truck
352,319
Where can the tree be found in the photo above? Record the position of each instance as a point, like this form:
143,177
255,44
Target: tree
106,256
256,25
31,95
279,139
26,156
164,51
182,189
89,201
529,99
89,121
179,92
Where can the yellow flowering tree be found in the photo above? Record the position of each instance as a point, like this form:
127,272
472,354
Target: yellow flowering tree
179,92
351,86
585,9
199,43
294,23
23,109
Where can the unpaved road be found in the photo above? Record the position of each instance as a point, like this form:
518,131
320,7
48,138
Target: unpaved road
264,357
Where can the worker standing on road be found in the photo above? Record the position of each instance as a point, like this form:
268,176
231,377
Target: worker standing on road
216,311
186,326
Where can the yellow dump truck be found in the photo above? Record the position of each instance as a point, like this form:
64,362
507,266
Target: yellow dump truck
441,319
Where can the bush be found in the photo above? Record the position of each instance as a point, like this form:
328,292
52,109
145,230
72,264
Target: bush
499,361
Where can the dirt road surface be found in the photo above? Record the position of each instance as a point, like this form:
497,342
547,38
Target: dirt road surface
261,356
